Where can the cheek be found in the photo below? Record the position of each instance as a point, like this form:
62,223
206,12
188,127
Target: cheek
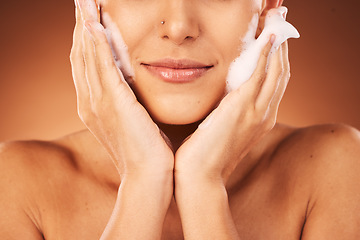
226,29
134,20
219,40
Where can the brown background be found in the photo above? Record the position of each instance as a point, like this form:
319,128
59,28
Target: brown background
37,97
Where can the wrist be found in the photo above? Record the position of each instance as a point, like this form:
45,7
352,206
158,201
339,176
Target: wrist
199,199
149,182
155,192
198,186
142,203
197,179
150,175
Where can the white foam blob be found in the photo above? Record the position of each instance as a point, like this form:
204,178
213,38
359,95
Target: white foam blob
244,66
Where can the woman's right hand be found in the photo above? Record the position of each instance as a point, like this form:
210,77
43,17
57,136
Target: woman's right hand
107,105
111,112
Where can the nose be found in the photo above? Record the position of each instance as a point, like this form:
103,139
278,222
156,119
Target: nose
178,22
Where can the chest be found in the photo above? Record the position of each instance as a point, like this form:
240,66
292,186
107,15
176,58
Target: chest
76,209
271,207
264,209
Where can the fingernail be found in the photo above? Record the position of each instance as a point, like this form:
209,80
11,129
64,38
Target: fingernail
272,39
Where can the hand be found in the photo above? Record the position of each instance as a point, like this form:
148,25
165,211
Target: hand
107,105
242,118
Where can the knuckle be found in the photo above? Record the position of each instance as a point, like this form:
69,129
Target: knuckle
101,40
259,119
269,124
84,115
98,42
252,116
286,78
279,71
233,101
286,65
259,77
266,51
105,66
75,54
287,73
99,107
86,54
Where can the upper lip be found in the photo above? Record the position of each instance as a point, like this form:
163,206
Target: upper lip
178,64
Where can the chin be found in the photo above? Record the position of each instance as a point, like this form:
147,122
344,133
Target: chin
179,104
178,119
178,115
178,112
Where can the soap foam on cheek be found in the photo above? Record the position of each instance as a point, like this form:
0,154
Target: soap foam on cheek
118,47
244,66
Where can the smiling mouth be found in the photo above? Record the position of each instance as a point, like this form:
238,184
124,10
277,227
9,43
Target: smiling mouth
177,71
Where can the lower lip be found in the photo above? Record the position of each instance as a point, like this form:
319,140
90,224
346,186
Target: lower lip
177,75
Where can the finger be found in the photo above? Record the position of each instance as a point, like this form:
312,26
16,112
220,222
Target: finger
110,76
91,73
167,140
251,88
271,83
275,102
89,10
77,62
120,49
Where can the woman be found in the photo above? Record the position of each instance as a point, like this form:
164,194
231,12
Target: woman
150,171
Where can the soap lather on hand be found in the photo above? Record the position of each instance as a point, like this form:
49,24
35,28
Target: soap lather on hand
243,67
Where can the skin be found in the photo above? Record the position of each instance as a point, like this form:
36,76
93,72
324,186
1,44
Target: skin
239,175
181,38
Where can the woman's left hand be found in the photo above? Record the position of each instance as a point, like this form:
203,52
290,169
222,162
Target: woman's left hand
242,118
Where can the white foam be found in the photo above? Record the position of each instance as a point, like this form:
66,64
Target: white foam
118,47
244,66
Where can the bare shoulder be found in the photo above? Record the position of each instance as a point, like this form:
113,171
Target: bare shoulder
25,167
29,161
32,166
328,137
22,152
326,159
49,188
330,147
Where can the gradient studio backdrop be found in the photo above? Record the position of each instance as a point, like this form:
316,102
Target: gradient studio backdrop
37,97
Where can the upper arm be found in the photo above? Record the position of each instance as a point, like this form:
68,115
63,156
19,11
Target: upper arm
334,209
18,216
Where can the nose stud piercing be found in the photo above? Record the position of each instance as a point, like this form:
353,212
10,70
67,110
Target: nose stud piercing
162,22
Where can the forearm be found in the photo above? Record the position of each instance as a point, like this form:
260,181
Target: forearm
140,208
204,210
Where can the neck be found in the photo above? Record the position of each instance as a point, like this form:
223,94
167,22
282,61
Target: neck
178,133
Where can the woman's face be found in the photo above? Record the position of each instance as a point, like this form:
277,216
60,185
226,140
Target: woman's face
200,36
